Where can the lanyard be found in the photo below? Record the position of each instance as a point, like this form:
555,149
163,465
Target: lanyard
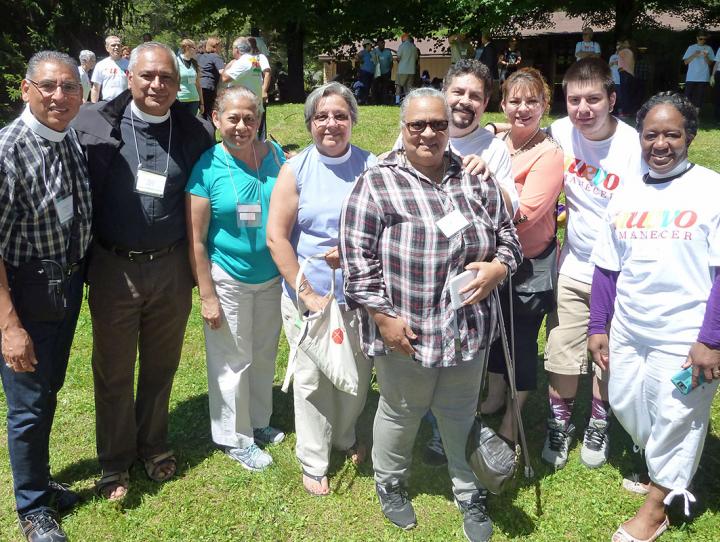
167,165
232,180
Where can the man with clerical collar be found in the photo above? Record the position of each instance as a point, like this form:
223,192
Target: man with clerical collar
45,212
140,149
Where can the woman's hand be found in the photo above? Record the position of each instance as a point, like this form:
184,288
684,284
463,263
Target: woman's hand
211,312
313,301
599,348
474,165
704,360
332,258
395,332
489,275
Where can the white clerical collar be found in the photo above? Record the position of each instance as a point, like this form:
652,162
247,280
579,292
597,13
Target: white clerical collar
39,128
334,160
682,167
150,119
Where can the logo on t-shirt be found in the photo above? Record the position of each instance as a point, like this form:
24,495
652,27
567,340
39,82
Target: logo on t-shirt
656,224
338,336
590,178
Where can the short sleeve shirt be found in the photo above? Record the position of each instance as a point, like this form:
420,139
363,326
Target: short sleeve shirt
111,75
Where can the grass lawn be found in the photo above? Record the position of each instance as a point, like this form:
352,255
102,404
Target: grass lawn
213,499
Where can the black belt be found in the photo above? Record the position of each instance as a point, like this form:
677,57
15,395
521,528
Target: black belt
139,256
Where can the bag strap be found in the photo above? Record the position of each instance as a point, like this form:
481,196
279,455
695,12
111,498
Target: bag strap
510,364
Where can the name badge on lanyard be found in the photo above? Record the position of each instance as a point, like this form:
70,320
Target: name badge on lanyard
64,208
150,183
249,215
452,223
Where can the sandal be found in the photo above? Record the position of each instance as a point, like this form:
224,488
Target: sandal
110,482
621,535
319,480
357,453
155,465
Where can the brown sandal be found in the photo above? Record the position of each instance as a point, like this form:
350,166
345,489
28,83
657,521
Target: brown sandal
155,465
110,482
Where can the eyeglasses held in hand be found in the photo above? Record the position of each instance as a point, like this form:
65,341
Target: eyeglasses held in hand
48,88
418,126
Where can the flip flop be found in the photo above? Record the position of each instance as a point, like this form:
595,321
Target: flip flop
319,480
621,535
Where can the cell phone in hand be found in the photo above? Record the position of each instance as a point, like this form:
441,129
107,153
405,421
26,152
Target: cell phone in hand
458,283
683,380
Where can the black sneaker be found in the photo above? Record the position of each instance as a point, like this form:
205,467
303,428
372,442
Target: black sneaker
477,525
42,527
396,505
65,498
434,454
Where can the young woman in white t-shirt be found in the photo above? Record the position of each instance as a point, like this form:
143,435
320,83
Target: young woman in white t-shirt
656,286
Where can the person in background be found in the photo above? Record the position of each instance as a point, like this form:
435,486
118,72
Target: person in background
87,64
510,60
715,83
537,167
383,58
190,94
460,47
305,221
266,79
426,355
488,55
698,58
628,86
211,65
146,37
238,281
140,149
366,71
45,212
613,63
260,42
126,50
109,78
653,337
587,48
408,56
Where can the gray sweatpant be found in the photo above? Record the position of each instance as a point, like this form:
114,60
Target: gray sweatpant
407,391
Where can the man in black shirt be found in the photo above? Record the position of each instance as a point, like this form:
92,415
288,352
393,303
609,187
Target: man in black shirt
140,152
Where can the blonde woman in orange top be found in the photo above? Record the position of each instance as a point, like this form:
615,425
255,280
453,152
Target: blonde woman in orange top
537,167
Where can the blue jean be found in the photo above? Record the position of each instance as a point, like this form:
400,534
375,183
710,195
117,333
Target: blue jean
31,401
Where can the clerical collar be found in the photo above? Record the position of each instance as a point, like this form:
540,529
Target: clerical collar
653,177
39,128
334,160
150,119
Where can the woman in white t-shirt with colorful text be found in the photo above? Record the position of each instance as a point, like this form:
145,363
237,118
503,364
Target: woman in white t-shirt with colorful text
656,286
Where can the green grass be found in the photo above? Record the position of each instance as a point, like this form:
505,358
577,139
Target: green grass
213,499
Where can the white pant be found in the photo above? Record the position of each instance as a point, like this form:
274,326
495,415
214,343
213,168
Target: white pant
668,425
241,358
325,417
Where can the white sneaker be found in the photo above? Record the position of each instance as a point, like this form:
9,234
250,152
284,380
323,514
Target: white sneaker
596,444
252,457
268,435
557,442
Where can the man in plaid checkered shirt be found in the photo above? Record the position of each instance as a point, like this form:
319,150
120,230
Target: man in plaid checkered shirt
44,202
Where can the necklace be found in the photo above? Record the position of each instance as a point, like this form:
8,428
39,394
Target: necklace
524,145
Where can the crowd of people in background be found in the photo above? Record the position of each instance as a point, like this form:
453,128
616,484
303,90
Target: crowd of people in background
134,195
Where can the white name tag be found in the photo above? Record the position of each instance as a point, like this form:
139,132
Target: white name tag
150,183
64,208
249,215
452,223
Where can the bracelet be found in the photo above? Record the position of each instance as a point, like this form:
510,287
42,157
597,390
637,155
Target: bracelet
493,127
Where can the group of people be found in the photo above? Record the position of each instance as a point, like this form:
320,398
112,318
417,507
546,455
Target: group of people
134,196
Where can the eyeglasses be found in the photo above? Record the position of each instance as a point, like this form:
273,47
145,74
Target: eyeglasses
114,45
418,126
322,119
47,88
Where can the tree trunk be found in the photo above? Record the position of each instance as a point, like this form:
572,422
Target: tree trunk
294,38
625,13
